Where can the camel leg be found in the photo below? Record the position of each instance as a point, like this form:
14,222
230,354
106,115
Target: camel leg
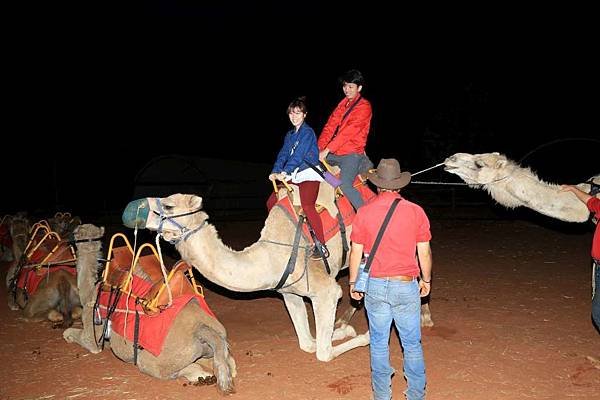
297,310
426,315
41,303
324,305
343,329
220,352
85,337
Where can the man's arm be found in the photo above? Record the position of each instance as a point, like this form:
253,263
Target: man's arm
426,262
581,195
356,253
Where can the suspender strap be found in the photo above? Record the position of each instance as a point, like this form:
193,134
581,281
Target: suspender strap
380,235
337,128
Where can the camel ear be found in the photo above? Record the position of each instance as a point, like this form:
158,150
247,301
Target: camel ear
196,202
101,231
501,163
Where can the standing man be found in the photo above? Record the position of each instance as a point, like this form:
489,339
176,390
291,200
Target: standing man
344,137
593,204
393,291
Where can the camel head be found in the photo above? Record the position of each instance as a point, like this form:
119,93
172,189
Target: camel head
477,169
174,217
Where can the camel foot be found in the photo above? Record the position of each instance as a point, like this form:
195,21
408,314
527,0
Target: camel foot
11,304
194,373
73,335
426,322
309,347
344,331
55,316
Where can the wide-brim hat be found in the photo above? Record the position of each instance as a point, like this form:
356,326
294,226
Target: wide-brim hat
388,175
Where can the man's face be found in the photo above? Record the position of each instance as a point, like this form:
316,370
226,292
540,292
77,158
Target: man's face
351,90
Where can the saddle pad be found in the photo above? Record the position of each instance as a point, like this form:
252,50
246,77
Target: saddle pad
153,329
330,223
30,278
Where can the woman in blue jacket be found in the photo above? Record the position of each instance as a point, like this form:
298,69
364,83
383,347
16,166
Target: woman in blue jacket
293,164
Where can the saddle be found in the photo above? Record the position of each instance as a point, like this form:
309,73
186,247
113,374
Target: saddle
44,254
141,276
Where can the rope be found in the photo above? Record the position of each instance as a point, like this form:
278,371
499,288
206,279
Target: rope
427,169
439,183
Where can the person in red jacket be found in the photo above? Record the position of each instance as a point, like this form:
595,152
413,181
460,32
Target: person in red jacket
593,204
344,137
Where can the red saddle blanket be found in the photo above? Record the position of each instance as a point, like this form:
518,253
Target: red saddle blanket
330,224
153,329
30,278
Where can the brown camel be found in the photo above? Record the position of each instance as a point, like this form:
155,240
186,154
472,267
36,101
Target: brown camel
195,346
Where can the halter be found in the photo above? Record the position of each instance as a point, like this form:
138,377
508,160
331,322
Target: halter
184,232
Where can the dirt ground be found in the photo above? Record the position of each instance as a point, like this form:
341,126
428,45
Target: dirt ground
510,300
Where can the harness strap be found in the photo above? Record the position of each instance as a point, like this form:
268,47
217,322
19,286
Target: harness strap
136,335
316,241
594,188
289,269
345,246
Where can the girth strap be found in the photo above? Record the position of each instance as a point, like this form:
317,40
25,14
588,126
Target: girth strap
136,335
289,269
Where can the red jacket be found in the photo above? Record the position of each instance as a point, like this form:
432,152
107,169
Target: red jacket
351,137
594,206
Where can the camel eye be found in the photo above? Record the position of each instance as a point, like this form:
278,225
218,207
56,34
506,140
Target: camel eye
168,207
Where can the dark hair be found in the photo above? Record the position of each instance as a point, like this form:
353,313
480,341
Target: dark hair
353,76
298,102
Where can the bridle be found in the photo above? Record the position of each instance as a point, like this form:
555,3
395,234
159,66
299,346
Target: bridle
184,232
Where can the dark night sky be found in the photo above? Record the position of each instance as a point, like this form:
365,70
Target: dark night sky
215,81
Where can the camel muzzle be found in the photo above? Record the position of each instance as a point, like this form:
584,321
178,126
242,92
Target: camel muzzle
136,214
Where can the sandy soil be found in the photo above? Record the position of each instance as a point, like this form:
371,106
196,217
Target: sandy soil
511,303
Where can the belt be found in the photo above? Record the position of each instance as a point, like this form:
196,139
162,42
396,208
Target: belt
404,278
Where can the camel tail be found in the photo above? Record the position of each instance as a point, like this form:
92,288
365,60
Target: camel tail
222,367
65,307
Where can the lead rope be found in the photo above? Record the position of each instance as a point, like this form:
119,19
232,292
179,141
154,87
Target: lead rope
135,235
163,270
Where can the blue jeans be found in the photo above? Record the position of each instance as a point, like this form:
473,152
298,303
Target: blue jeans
349,170
596,298
387,300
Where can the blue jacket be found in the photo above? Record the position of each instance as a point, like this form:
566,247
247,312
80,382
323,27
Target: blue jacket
297,146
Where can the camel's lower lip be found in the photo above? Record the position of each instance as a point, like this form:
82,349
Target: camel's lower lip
449,167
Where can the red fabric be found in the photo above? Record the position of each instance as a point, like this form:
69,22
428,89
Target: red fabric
594,206
309,191
396,252
351,137
30,279
152,329
329,223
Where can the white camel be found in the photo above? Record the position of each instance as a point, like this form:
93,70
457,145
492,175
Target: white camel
179,219
512,185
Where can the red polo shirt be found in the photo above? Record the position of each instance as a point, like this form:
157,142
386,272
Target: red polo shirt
396,252
594,206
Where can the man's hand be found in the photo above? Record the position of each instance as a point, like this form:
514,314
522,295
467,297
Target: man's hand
356,295
323,153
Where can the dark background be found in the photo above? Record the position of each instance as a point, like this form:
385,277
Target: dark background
91,99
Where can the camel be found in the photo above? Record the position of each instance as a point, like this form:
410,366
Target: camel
180,220
54,296
513,186
195,344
